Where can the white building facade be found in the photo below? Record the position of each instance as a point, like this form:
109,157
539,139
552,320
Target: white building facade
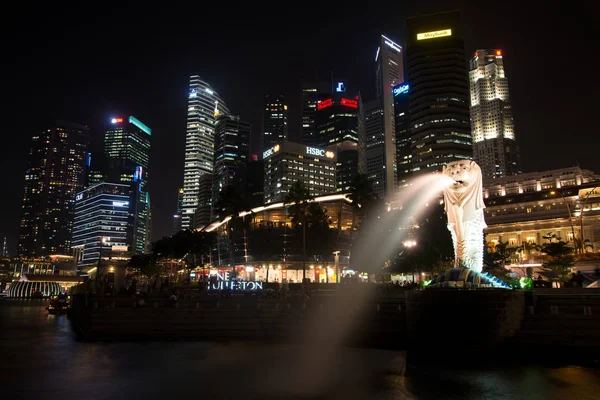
204,106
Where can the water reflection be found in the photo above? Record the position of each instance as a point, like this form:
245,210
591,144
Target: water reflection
41,359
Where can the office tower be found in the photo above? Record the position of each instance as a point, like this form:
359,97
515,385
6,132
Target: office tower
310,96
372,136
204,106
389,73
255,182
203,214
439,92
492,126
103,221
289,162
232,151
337,130
177,216
127,152
55,173
275,128
403,140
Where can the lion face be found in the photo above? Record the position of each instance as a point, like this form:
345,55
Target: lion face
462,173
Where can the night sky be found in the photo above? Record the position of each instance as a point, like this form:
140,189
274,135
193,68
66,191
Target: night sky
89,63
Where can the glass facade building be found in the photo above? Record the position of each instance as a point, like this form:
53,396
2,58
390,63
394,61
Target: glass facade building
275,121
56,169
232,152
439,91
204,106
127,151
104,221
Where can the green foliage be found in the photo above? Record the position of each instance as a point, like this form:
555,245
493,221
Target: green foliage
495,258
146,264
434,251
561,258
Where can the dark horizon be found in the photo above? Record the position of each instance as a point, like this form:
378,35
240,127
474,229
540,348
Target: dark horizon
87,65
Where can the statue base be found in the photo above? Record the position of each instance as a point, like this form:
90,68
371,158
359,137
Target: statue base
465,278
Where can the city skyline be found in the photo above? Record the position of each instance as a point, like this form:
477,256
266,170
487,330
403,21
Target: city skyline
86,101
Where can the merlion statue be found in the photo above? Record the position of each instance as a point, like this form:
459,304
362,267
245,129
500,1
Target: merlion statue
463,201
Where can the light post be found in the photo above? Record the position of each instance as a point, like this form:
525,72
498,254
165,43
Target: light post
409,244
102,242
336,266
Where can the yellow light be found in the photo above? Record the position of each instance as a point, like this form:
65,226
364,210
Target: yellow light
285,108
329,154
276,148
434,34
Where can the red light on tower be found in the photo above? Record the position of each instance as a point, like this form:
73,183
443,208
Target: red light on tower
498,52
324,104
349,103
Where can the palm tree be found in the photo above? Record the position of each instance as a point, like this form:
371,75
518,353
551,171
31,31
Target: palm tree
231,203
298,197
362,196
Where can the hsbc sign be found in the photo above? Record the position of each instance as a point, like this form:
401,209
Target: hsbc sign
315,152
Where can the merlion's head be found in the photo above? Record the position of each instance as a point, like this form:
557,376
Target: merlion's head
465,174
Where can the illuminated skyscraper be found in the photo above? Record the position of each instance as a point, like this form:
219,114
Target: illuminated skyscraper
492,125
127,152
177,215
439,92
55,173
337,130
232,152
381,154
275,124
310,97
204,106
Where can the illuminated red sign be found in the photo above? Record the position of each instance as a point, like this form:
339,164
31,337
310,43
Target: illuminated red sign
324,104
349,103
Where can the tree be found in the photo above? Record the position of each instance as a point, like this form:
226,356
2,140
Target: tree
231,203
145,263
298,197
561,258
320,238
495,258
362,195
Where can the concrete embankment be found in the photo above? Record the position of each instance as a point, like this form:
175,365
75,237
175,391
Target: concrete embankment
391,319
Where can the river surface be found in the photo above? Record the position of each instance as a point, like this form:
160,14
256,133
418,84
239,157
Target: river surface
40,359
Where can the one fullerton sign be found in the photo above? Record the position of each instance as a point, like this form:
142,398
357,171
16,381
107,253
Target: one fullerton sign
434,34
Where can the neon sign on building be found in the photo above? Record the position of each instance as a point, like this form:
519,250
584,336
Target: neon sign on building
324,104
434,34
401,89
349,103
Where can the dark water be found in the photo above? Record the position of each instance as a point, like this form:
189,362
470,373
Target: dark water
39,359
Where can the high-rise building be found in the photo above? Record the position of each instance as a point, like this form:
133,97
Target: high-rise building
372,140
203,214
289,162
403,139
232,152
389,73
103,222
311,90
439,91
127,152
255,182
337,130
492,126
204,106
177,215
275,124
55,173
